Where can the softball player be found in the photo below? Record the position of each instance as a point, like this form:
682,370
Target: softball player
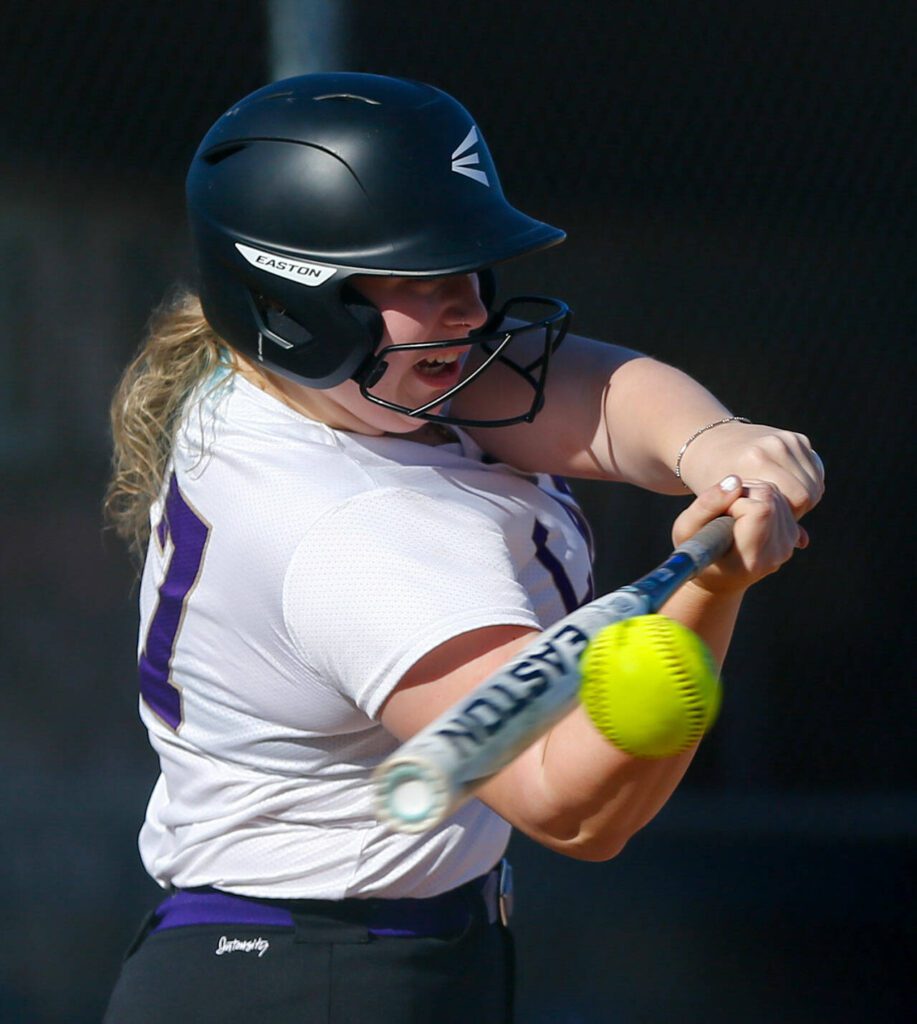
342,459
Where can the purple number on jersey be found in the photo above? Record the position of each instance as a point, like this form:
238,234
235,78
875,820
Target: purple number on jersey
188,534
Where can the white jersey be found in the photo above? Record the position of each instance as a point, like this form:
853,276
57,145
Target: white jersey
294,575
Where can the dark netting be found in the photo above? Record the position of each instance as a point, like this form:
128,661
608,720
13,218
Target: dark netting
124,87
737,182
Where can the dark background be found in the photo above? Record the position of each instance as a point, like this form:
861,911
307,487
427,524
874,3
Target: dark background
737,183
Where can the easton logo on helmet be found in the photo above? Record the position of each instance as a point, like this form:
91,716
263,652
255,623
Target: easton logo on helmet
310,274
461,164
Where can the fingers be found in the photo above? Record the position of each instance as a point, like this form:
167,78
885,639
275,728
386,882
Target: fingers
767,530
765,535
713,502
768,494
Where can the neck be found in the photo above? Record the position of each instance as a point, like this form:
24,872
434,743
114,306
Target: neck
315,405
430,433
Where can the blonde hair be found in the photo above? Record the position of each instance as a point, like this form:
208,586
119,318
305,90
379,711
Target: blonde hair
179,351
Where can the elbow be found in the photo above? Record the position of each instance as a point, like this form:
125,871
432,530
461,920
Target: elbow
595,849
581,842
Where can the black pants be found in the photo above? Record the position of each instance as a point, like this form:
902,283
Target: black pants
321,971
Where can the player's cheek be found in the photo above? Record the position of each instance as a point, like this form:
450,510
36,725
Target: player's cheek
404,326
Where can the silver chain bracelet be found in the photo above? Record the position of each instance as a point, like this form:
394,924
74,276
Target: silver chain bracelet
697,434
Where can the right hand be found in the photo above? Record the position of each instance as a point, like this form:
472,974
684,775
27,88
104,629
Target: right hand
764,538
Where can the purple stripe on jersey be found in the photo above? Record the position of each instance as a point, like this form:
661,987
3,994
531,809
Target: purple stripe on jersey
575,513
189,539
581,523
554,567
561,484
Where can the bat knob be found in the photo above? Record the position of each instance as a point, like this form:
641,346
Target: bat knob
409,796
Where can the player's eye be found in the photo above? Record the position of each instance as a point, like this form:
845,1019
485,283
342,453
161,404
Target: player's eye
426,285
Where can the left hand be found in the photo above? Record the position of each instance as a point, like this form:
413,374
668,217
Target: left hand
756,452
765,535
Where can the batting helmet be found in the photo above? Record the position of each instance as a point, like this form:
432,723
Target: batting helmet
314,179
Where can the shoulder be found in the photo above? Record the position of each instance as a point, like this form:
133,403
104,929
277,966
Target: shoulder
391,541
235,438
398,520
389,574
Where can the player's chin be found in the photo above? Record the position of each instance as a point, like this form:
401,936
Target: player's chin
418,392
391,421
425,398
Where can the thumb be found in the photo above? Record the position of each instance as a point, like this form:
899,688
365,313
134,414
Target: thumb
709,504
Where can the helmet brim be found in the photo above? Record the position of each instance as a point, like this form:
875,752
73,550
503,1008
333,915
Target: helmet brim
480,245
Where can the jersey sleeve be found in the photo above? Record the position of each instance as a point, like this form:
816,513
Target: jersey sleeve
387,576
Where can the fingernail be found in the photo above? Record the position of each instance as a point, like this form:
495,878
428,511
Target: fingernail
729,484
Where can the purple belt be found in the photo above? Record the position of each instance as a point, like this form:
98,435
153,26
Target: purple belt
446,914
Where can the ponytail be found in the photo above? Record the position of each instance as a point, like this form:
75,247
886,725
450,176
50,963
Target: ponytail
179,351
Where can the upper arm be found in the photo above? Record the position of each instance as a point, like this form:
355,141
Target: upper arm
568,435
449,673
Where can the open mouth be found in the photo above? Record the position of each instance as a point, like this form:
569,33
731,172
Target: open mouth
439,371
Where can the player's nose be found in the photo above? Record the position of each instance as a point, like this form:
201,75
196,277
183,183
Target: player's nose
463,306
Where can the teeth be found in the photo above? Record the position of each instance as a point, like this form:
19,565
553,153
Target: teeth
440,360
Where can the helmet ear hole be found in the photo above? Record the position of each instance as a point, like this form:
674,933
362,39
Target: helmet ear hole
284,326
274,323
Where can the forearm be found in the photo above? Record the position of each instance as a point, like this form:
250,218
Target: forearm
649,411
613,414
586,798
590,797
609,413
711,616
657,419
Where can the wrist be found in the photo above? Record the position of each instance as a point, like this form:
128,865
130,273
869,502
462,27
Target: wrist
679,458
714,585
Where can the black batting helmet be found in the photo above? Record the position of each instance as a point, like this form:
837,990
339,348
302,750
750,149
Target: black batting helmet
314,179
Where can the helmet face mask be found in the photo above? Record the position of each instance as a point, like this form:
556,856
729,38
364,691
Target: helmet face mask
314,180
487,347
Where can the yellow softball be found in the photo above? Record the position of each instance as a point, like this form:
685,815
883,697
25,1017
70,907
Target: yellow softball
650,685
